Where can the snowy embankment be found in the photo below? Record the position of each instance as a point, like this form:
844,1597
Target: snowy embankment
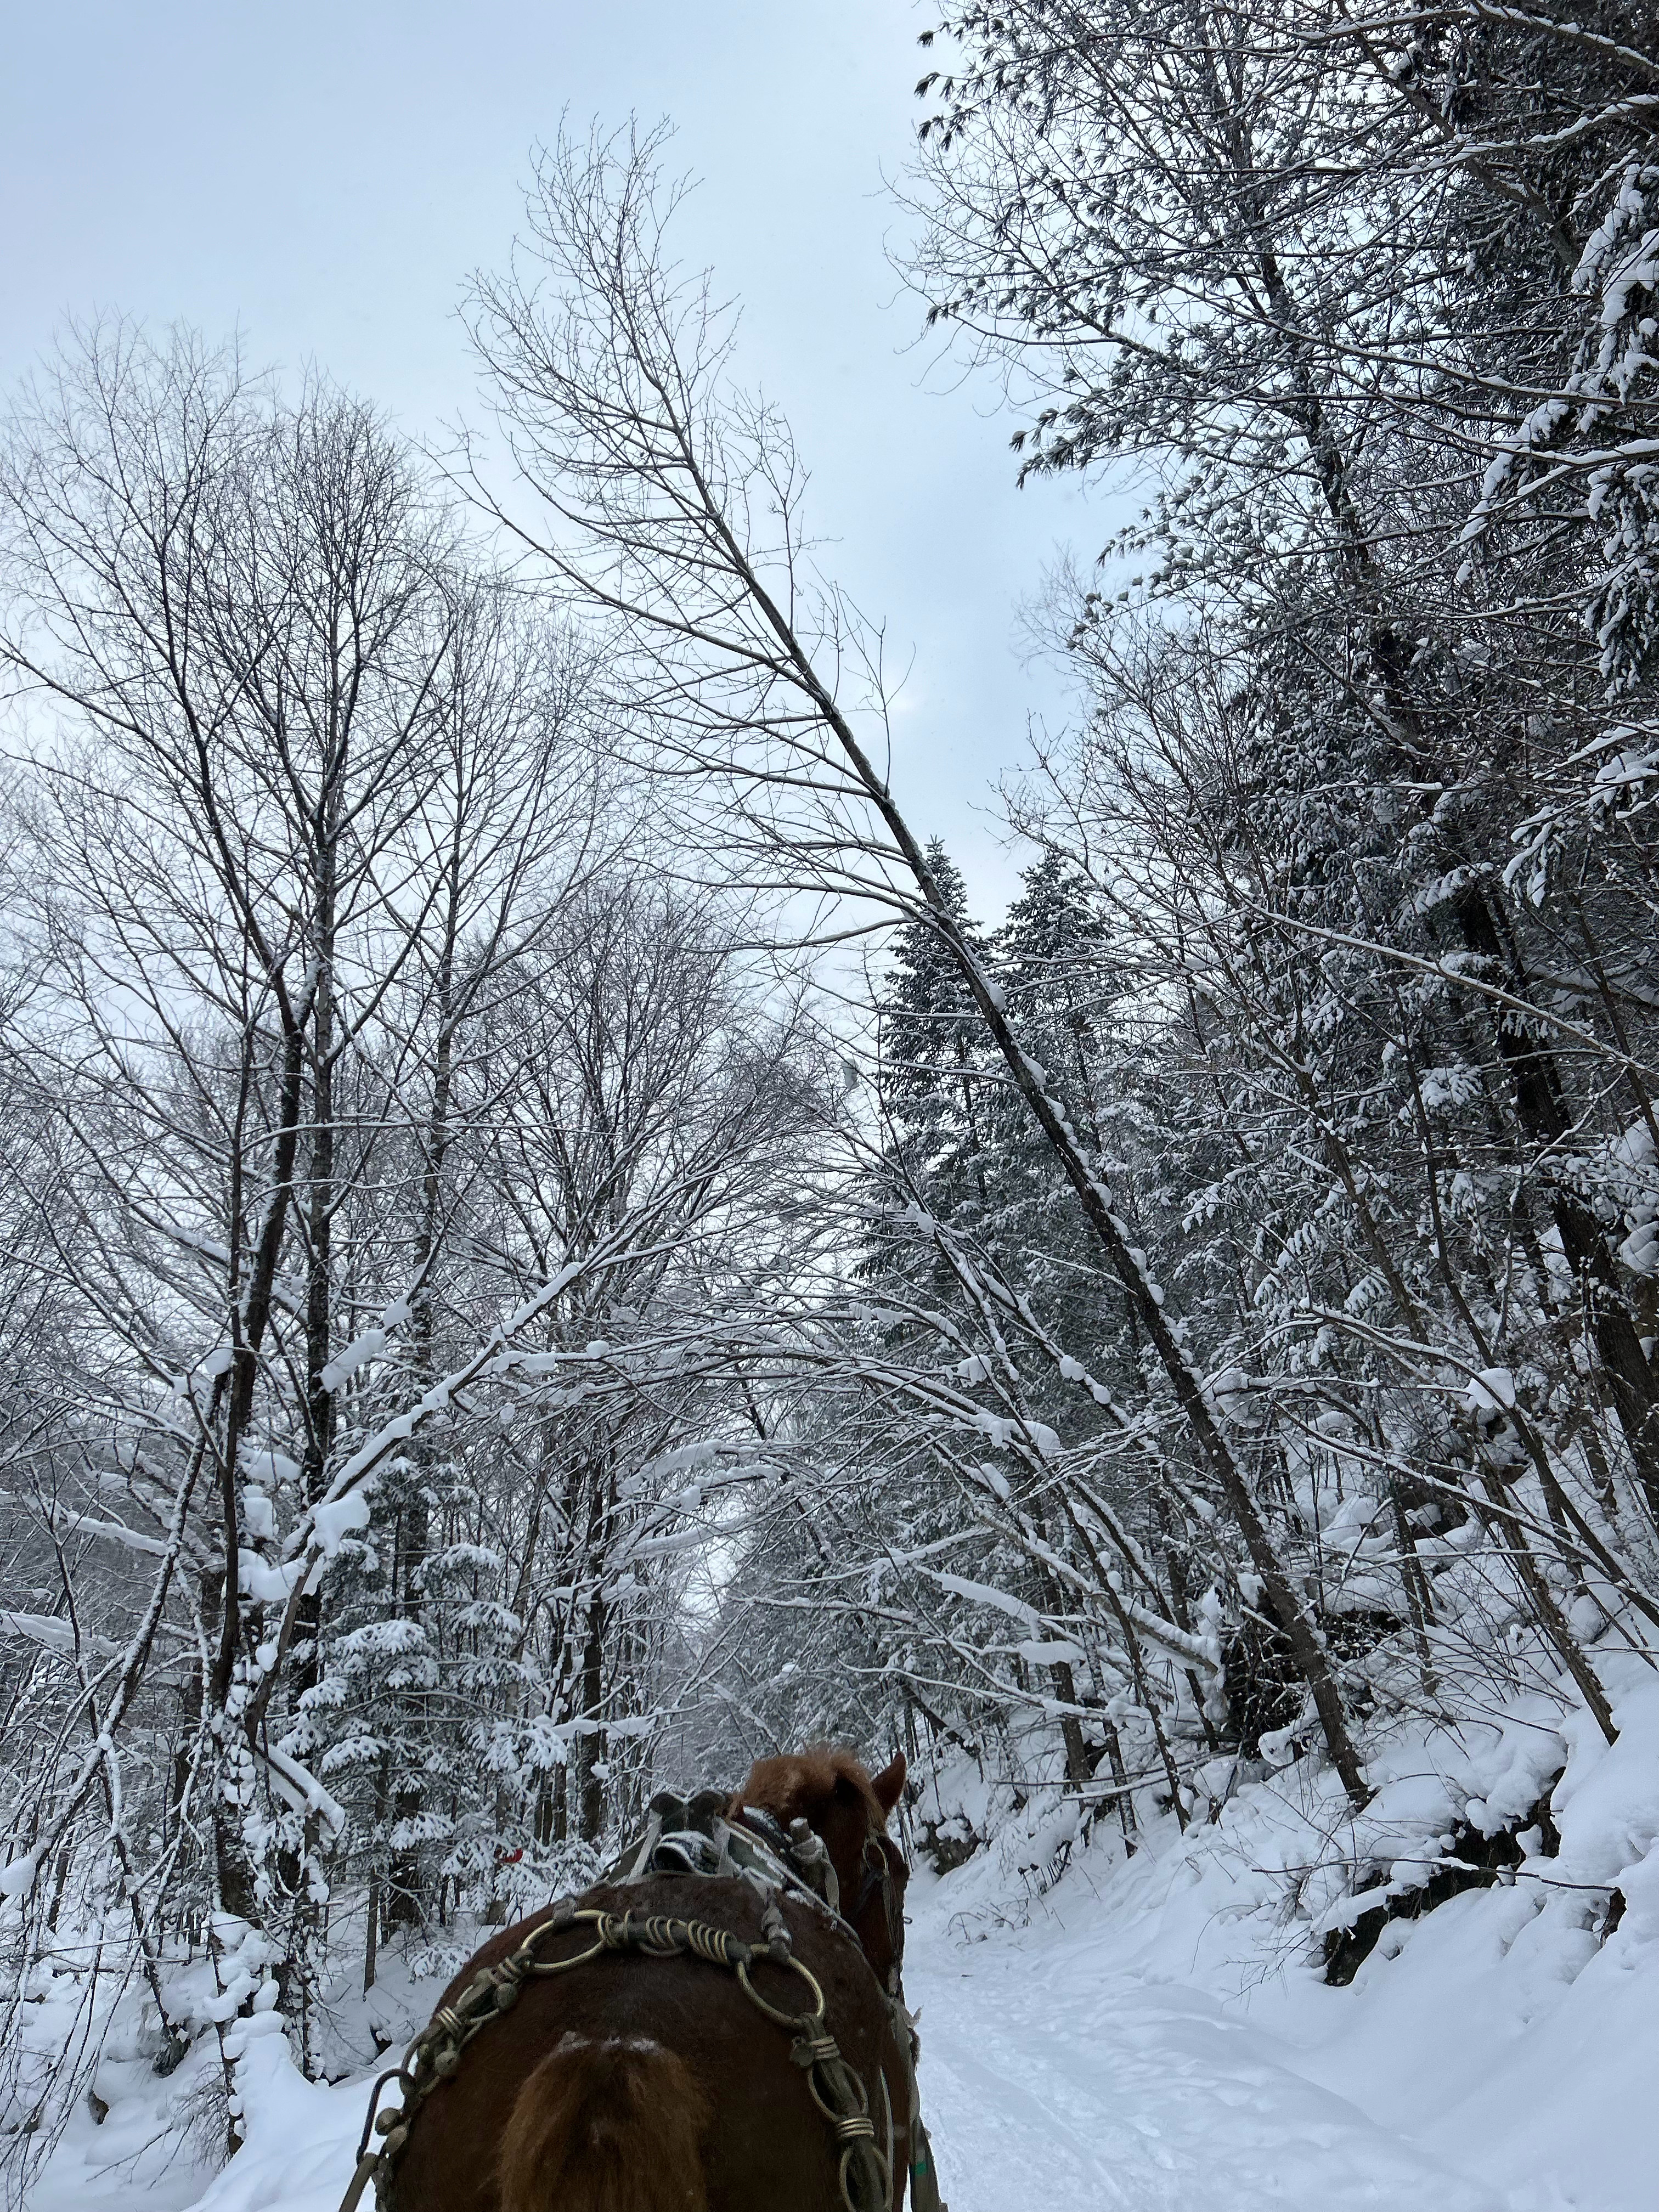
1156,2035
1159,2035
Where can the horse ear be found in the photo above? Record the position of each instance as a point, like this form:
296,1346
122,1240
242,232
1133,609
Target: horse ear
888,1784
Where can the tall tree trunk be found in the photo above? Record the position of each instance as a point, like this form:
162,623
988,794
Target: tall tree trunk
1541,1109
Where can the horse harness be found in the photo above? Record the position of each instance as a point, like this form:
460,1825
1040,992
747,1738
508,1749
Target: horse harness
693,1836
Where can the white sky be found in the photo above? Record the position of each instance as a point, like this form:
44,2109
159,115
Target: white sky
324,176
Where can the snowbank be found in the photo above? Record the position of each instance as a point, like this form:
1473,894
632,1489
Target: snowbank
1503,2046
301,2139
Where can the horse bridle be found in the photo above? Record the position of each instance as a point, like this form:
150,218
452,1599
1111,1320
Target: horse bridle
880,1859
879,1853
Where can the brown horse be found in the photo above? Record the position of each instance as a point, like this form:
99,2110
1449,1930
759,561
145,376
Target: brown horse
635,2083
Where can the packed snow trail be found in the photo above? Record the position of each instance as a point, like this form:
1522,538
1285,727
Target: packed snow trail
1049,2078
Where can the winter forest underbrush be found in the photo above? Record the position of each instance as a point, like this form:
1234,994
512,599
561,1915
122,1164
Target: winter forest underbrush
546,1252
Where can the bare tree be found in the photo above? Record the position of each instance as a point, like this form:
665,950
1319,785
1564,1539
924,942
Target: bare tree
672,503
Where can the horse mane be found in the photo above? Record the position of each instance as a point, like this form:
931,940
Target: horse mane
790,1788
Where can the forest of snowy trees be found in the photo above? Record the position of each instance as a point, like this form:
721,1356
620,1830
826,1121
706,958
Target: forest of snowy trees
547,1251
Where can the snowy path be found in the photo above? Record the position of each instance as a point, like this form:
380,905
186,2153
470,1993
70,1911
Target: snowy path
1049,2079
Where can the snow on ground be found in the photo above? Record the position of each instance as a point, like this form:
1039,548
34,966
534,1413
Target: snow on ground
142,2154
1159,2035
1042,2058
1155,2036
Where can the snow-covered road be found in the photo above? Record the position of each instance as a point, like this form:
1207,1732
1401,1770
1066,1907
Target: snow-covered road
1049,2079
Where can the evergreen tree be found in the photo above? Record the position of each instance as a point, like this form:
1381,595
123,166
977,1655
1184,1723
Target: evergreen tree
935,1075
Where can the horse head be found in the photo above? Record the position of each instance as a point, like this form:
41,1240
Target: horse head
847,1806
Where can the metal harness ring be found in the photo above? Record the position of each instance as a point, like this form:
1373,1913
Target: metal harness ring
796,2019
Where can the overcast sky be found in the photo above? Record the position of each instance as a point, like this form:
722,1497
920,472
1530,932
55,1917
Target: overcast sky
323,177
